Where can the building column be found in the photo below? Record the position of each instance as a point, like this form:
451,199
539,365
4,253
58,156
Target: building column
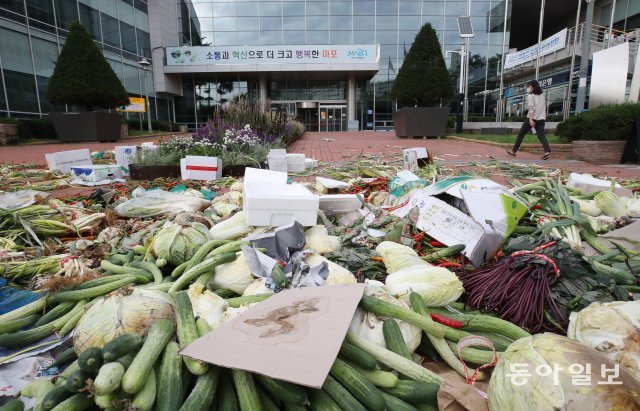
351,97
262,90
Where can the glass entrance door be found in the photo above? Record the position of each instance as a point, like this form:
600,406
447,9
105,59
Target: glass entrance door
333,118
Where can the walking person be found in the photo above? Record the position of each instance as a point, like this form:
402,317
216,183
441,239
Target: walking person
536,118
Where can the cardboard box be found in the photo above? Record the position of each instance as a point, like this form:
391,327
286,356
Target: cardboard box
97,173
493,214
273,204
422,158
64,160
123,157
295,163
307,324
201,168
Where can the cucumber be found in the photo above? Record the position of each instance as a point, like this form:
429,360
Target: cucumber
170,379
91,360
77,380
37,388
177,272
426,348
104,401
55,313
71,368
159,334
13,405
268,404
55,397
357,356
126,360
378,378
358,385
287,392
65,357
444,253
246,389
14,325
203,393
341,396
206,266
144,399
203,251
203,326
413,391
294,407
224,293
393,338
77,402
109,378
187,331
396,404
227,398
120,346
320,401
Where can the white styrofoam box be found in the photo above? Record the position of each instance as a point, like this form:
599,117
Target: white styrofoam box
277,160
97,173
310,163
123,157
295,163
420,151
589,184
259,175
201,168
275,204
334,204
64,160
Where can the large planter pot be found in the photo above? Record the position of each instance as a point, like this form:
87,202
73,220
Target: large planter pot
8,134
87,126
421,121
138,172
233,170
598,152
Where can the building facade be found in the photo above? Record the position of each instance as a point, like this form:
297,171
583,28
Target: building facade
326,91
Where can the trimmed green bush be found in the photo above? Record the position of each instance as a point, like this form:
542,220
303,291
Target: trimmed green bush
604,123
8,120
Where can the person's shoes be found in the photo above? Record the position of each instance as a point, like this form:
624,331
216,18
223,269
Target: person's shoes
546,156
511,153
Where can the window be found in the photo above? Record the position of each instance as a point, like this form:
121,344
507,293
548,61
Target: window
317,37
128,33
21,91
294,23
66,13
340,22
270,8
341,37
247,9
14,49
270,37
225,38
47,54
340,8
144,43
247,23
364,8
293,9
317,22
224,9
224,23
271,23
90,19
317,8
110,31
364,22
41,10
387,8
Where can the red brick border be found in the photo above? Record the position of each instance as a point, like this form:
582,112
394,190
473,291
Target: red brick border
560,151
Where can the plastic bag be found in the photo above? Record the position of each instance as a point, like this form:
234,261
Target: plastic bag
12,298
22,198
158,202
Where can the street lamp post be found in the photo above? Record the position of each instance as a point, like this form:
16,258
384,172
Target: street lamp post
145,65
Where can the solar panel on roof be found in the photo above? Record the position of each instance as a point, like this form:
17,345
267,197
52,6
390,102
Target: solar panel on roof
465,27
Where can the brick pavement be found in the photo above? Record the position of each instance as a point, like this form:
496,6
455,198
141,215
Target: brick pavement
339,147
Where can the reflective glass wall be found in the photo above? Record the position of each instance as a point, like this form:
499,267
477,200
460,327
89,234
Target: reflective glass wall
32,33
391,23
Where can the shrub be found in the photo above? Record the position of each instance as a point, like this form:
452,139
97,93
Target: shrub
604,123
8,120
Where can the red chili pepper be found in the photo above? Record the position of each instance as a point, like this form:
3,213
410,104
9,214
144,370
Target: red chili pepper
537,207
281,263
449,264
441,319
434,243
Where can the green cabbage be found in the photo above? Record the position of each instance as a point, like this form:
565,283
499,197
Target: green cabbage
610,204
397,256
177,242
231,228
525,378
587,207
436,285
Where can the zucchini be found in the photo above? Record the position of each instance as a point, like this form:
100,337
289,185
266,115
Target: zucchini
393,338
13,405
159,335
444,253
356,356
55,397
77,380
155,271
378,378
396,404
187,331
204,267
144,399
28,309
204,250
92,292
177,272
105,402
71,368
91,360
109,378
14,325
203,326
77,402
414,391
70,325
120,346
227,398
246,388
358,385
268,403
341,395
287,392
37,388
224,293
170,379
203,393
236,302
126,360
231,247
320,401
54,313
65,357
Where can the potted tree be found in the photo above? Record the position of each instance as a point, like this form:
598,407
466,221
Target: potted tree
422,87
82,78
